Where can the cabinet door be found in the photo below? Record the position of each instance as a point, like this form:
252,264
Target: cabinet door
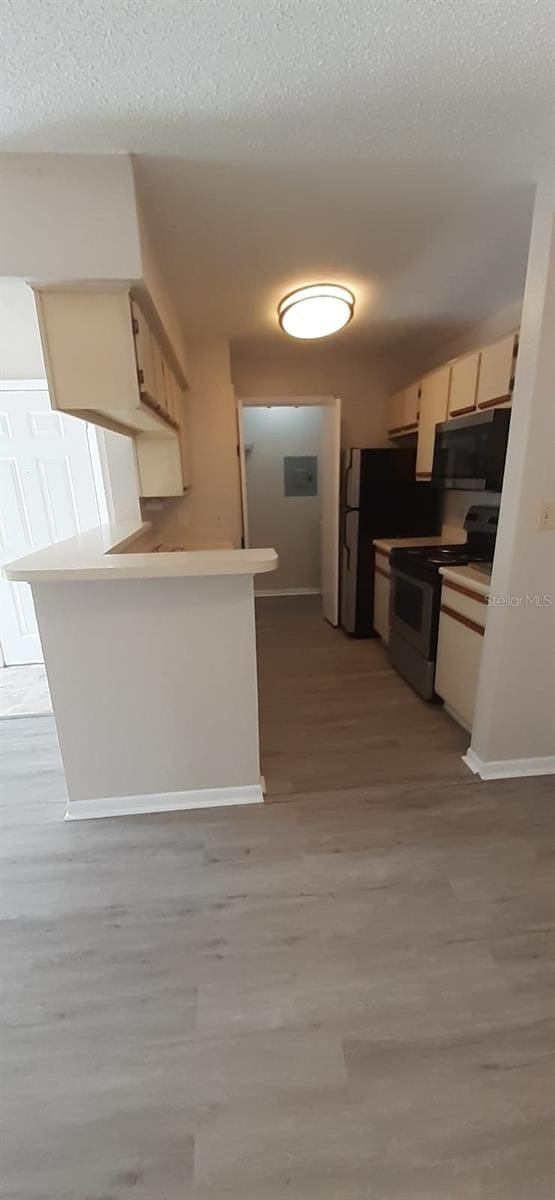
459,650
381,600
159,465
496,375
395,414
464,380
143,351
158,374
411,406
181,417
169,389
433,409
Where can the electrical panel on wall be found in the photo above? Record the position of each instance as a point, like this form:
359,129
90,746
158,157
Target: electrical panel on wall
300,475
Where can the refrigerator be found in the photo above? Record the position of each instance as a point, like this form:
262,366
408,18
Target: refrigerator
379,498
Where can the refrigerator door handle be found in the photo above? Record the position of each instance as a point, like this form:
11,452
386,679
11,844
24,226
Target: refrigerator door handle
346,546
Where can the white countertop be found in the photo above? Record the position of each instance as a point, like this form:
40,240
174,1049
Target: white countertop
450,537
106,553
470,577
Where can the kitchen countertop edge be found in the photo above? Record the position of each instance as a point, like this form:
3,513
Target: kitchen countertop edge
94,555
468,577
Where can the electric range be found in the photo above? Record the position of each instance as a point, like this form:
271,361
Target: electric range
416,595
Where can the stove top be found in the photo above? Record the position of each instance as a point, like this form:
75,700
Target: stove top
437,554
425,561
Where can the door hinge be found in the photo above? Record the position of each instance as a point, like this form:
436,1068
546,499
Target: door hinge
135,325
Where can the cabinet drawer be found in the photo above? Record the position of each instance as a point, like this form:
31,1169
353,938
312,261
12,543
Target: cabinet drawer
464,603
459,651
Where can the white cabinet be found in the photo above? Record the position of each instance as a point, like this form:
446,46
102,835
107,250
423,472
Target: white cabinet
382,584
395,414
482,379
459,649
434,403
403,411
411,406
105,363
159,465
496,375
464,383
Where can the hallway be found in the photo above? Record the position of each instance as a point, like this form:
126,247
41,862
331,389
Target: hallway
335,716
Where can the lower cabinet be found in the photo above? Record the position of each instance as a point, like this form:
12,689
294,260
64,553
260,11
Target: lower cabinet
459,651
381,598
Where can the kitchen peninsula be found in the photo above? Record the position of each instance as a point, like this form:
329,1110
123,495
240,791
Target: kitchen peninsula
150,653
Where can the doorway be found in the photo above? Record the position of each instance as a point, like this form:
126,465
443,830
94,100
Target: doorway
50,489
290,464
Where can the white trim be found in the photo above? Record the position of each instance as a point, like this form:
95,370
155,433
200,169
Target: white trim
23,385
287,592
284,401
509,768
243,474
158,802
105,514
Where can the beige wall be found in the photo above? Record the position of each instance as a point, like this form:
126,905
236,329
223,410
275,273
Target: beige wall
156,289
213,504
68,216
356,377
20,346
291,524
514,716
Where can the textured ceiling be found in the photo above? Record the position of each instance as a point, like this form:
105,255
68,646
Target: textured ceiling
211,78
387,143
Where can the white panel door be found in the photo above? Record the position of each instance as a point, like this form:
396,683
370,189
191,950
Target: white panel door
47,493
330,483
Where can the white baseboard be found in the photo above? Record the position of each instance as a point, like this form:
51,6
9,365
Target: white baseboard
509,768
132,806
287,592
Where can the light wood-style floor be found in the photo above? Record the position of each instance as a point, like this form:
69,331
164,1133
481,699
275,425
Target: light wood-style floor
346,994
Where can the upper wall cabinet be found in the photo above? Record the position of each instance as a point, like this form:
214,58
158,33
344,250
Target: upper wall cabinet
411,406
104,363
102,360
434,402
478,380
497,372
464,384
395,414
403,411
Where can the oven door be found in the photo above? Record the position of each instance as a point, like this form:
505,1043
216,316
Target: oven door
413,611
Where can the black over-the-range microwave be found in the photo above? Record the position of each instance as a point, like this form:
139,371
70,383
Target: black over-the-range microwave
469,452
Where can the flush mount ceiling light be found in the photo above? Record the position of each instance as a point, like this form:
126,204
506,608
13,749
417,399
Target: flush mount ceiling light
316,311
